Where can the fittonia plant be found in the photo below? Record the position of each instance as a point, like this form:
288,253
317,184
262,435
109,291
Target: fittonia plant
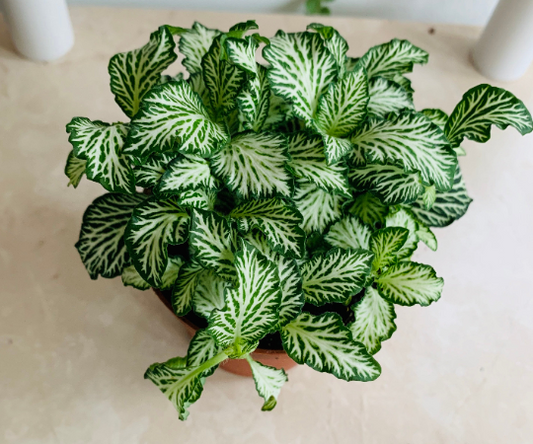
295,190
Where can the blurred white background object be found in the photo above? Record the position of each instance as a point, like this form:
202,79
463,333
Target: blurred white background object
41,29
505,49
469,12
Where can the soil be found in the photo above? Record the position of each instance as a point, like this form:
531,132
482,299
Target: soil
272,341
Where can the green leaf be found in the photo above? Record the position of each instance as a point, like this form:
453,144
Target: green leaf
135,72
369,208
278,112
314,7
101,243
212,240
196,81
386,97
301,70
448,206
185,287
209,293
308,161
292,297
317,207
341,109
268,382
481,107
100,144
409,283
74,169
185,172
242,28
253,101
385,244
335,43
349,232
149,174
437,116
222,79
403,217
153,226
412,141
252,306
389,182
276,220
335,276
254,164
374,320
326,345
198,198
394,57
194,44
131,277
173,117
429,196
202,348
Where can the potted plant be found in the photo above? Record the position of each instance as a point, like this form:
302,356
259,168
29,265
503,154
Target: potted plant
275,204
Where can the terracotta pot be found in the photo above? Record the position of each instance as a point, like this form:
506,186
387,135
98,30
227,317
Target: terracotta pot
273,358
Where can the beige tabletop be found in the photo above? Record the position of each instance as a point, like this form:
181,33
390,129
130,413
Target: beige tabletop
73,351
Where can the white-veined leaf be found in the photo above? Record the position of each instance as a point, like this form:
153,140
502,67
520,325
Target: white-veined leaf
374,320
439,118
389,182
426,235
222,79
212,240
253,101
197,83
198,198
301,70
335,276
385,244
326,345
412,141
369,208
341,109
278,112
308,161
185,287
101,243
429,196
268,382
173,117
392,58
292,297
335,43
74,169
149,174
135,72
276,220
185,173
253,164
349,232
252,306
202,348
194,44
409,283
351,63
448,206
131,277
153,226
241,52
100,144
317,207
209,293
402,217
483,106
386,97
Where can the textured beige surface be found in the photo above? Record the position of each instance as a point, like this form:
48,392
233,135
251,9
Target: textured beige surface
73,351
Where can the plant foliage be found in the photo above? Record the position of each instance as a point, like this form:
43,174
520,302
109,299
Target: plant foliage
276,197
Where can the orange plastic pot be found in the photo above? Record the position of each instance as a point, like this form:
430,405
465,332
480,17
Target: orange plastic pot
273,358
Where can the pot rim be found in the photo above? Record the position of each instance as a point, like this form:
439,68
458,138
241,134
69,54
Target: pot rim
159,293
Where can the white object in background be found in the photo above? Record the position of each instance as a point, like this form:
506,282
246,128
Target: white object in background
505,49
41,29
